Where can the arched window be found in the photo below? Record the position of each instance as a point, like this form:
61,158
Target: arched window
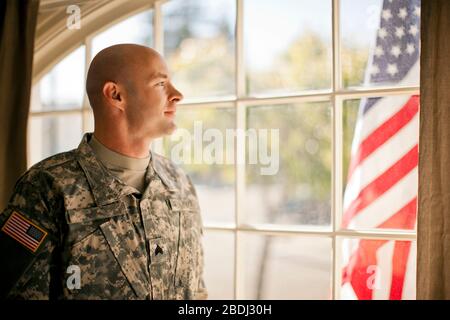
287,205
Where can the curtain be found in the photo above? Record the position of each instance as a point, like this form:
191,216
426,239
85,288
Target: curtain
18,23
433,243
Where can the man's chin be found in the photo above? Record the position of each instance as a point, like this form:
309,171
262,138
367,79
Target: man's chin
165,129
171,128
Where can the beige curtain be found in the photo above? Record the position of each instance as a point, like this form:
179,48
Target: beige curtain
433,252
17,28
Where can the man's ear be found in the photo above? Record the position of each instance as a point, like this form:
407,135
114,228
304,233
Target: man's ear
114,94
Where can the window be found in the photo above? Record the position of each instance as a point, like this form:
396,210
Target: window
307,75
56,119
199,46
60,111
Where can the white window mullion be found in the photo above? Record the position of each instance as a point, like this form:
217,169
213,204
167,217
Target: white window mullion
158,45
239,148
158,27
56,112
337,70
337,182
381,234
85,104
336,171
315,96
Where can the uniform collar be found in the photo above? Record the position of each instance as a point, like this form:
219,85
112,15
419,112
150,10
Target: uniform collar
160,165
106,188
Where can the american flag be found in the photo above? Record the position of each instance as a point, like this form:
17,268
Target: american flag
381,189
24,231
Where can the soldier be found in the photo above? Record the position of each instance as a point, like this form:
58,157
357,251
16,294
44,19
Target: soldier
110,219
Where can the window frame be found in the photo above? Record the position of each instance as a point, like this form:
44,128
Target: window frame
241,101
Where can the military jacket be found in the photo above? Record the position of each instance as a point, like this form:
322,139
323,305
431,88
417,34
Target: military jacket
72,230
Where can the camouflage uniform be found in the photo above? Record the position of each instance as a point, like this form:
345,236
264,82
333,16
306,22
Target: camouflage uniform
127,245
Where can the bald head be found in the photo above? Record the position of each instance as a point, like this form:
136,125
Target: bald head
132,96
119,64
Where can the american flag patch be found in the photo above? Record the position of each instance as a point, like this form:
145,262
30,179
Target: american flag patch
24,231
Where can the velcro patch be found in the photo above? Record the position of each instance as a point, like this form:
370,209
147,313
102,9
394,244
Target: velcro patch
24,231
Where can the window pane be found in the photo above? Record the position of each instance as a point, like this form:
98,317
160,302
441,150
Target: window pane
380,46
199,46
380,168
63,87
136,29
49,135
378,269
89,121
219,264
286,267
298,189
203,148
287,45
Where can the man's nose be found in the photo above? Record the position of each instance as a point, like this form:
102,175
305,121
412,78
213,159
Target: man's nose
175,96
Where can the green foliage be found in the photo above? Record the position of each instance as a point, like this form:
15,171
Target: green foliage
215,118
305,65
305,147
349,115
354,61
203,67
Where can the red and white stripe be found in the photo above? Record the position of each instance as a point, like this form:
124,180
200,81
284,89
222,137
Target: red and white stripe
381,192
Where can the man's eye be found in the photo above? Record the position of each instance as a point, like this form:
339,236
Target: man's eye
161,84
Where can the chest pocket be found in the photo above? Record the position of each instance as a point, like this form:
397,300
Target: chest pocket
102,242
190,253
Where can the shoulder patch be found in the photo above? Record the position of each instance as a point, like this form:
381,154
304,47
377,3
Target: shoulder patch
24,231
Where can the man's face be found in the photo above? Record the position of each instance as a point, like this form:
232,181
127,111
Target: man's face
151,100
